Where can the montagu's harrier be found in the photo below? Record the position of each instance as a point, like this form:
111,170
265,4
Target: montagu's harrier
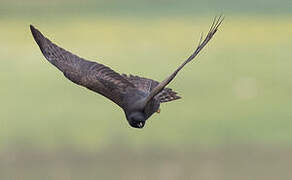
139,97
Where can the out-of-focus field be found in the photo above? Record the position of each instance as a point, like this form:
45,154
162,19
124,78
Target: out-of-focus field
238,89
234,121
229,162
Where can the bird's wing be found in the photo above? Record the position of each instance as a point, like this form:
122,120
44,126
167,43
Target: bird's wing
92,75
202,44
147,85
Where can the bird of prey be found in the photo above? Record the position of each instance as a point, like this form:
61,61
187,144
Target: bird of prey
139,97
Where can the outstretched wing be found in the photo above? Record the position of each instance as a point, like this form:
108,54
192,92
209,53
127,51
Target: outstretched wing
216,23
147,85
92,75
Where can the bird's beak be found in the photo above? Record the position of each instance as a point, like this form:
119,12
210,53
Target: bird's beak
140,125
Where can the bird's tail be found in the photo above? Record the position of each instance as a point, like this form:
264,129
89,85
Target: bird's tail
167,95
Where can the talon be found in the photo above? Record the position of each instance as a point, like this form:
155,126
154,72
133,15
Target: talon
158,111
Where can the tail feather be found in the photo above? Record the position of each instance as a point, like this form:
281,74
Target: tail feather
167,95
147,85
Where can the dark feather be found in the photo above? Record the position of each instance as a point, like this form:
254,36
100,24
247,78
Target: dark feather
202,43
147,85
91,75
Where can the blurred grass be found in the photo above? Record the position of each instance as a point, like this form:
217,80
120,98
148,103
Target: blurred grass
234,121
237,92
222,163
141,8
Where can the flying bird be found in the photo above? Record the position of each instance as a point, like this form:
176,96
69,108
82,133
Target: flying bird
139,97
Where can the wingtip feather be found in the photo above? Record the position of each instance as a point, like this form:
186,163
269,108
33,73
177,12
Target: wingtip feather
34,31
37,35
31,27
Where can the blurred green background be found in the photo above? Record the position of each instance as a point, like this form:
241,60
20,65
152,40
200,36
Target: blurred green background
234,121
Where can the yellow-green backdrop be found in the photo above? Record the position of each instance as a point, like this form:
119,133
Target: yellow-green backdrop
233,122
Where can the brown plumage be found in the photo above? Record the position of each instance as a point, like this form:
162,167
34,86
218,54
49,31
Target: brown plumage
139,97
147,85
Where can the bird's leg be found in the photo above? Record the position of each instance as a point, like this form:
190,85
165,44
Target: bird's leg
158,111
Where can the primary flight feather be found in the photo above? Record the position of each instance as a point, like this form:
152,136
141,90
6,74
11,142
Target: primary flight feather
139,97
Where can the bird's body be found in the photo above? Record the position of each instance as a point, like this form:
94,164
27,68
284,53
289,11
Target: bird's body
139,97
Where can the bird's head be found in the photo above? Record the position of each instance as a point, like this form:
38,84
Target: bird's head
136,119
138,112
